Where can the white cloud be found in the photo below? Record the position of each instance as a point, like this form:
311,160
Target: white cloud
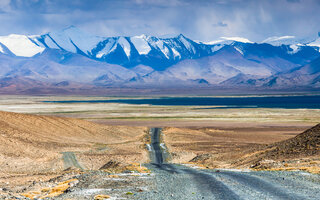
197,19
5,4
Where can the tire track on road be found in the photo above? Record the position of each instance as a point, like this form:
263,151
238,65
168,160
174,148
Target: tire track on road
206,186
175,181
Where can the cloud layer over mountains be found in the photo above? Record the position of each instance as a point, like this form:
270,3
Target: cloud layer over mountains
200,20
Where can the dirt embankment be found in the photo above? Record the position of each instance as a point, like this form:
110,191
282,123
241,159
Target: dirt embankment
304,144
299,152
35,144
254,147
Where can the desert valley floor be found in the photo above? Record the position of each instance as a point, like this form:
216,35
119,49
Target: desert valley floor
61,150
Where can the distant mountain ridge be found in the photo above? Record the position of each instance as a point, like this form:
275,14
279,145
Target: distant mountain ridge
131,51
70,57
126,51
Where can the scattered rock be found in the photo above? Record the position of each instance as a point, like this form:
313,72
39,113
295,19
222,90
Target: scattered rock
201,158
129,193
304,144
109,165
266,164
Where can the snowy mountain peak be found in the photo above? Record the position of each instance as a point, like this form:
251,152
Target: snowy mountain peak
156,52
20,45
181,36
237,39
282,40
75,56
227,41
142,36
141,44
315,42
124,43
69,39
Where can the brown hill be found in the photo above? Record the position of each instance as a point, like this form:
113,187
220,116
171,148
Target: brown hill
298,151
32,143
304,144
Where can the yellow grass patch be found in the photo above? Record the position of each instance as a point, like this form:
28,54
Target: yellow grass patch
68,181
136,167
51,192
113,176
101,197
43,190
31,195
59,189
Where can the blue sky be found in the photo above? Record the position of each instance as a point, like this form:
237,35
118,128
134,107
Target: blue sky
198,19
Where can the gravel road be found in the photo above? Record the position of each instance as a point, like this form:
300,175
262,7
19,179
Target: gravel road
174,181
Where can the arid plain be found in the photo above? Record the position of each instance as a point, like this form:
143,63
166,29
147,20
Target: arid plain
100,133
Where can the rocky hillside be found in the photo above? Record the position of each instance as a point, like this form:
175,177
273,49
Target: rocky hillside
299,152
304,144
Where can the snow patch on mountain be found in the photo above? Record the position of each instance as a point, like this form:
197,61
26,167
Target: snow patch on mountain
61,39
282,40
70,39
216,47
213,42
291,41
141,44
163,48
1,49
315,43
82,40
123,42
187,44
21,45
295,49
107,48
237,39
239,50
50,43
176,53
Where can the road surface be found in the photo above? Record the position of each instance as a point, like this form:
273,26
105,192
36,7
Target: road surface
175,181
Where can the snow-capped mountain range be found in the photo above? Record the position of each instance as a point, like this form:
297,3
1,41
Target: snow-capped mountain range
72,57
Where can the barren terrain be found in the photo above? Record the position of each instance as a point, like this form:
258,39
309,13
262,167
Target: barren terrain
37,148
267,148
152,116
55,142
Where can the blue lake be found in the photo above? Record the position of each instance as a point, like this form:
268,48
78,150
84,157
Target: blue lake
310,102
